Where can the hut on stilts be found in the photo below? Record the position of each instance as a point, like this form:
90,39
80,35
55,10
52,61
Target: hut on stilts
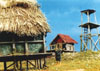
23,29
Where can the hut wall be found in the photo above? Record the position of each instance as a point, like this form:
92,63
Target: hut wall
67,47
58,45
20,47
5,49
70,47
52,47
35,48
17,44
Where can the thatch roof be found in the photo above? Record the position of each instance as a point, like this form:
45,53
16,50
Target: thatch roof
22,17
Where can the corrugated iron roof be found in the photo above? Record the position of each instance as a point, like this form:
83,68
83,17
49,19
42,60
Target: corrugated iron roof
66,38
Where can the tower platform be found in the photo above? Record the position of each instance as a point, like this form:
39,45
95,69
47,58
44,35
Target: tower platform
90,11
92,25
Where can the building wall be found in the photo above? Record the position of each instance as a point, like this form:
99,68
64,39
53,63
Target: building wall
69,47
52,47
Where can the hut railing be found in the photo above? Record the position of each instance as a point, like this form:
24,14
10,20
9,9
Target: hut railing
37,41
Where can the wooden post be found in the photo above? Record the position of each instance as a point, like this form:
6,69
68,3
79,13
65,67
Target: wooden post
89,31
37,64
81,31
5,66
16,64
88,16
89,36
27,64
99,40
13,45
44,43
44,65
95,18
26,47
40,64
81,19
97,28
81,43
20,65
98,36
14,48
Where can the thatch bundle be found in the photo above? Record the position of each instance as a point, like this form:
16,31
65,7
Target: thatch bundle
23,17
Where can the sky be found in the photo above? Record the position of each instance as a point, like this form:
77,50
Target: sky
64,17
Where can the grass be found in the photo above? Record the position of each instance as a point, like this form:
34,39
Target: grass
82,61
89,61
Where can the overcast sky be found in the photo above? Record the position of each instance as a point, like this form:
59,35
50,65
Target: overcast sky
64,17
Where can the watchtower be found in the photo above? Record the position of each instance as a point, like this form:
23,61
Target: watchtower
86,37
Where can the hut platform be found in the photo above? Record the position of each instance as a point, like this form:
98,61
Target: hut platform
39,60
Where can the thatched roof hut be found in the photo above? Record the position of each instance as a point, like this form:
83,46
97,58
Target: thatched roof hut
22,17
23,27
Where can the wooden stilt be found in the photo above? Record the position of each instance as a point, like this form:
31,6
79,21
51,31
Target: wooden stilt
20,65
44,45
40,64
5,66
37,64
44,65
27,64
14,66
17,64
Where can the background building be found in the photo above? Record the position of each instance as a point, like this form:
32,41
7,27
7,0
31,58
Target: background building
65,42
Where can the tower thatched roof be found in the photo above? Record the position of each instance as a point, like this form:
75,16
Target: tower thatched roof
22,17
